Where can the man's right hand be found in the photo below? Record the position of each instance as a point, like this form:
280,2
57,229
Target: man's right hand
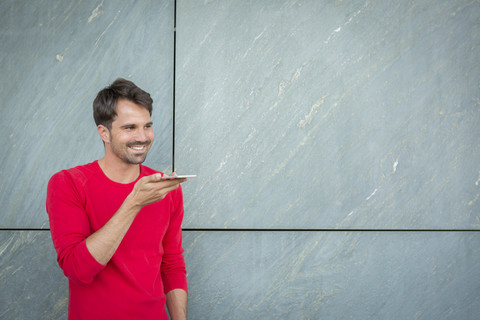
150,189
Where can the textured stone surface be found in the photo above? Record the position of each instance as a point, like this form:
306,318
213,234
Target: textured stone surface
55,57
333,275
281,275
329,114
293,114
32,284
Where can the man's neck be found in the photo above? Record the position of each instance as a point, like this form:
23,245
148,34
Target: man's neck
120,172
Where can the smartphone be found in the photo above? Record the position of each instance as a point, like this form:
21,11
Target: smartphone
166,177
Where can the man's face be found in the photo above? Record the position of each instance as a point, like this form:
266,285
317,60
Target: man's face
131,135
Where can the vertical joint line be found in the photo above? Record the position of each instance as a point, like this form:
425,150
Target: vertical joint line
174,76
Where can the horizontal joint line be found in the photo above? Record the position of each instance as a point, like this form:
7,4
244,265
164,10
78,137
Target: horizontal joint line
326,230
284,230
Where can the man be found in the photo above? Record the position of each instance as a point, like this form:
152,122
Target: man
116,224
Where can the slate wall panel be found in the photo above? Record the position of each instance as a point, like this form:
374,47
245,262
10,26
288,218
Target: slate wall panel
329,114
32,286
55,57
333,275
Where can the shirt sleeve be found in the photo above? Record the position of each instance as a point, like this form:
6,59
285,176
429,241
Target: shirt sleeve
174,274
70,227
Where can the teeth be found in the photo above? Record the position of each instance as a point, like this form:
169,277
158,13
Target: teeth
138,148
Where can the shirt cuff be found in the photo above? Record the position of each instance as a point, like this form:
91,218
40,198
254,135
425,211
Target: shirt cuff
86,267
178,281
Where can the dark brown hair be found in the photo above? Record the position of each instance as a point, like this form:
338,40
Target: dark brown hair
105,104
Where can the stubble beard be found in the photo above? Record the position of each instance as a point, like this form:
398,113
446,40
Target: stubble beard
124,154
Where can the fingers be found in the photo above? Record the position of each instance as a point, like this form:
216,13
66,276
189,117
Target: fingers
164,191
157,177
171,182
154,177
153,188
151,178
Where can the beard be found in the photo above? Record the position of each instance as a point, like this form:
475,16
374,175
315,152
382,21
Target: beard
129,155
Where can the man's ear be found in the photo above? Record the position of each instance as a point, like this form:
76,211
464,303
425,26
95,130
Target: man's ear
104,133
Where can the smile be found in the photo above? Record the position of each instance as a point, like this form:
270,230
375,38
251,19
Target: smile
138,147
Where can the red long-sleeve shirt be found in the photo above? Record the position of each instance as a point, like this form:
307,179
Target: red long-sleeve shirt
147,264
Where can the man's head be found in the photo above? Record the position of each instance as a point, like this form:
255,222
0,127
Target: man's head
122,113
105,104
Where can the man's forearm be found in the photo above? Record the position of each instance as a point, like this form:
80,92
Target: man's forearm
177,304
105,241
149,189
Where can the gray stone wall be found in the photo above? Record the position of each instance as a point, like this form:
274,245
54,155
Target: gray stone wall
335,142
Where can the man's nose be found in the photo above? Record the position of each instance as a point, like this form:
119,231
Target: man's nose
141,135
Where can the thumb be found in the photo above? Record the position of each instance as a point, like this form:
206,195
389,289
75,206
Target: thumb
154,177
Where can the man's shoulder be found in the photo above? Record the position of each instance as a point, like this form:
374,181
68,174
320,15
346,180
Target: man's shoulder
81,173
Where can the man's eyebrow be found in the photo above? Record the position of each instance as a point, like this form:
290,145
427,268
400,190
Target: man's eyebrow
130,125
